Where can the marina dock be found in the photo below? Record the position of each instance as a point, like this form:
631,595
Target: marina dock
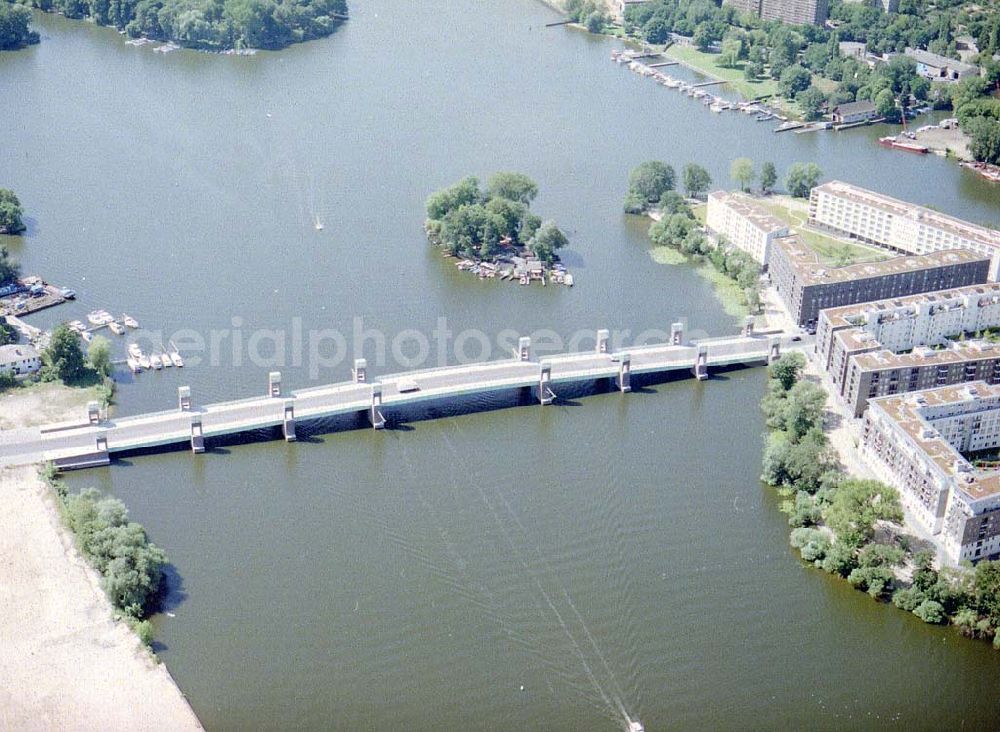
94,439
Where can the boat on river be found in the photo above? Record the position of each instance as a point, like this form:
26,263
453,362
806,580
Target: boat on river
129,321
116,327
903,144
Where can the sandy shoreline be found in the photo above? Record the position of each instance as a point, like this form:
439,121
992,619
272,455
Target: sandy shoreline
65,663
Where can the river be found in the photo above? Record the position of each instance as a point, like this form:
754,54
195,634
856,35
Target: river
529,568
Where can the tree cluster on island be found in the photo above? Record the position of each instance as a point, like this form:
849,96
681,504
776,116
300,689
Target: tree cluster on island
11,213
14,27
800,178
836,519
479,224
211,24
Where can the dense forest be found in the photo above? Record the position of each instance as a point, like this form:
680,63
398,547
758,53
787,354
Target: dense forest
210,24
14,31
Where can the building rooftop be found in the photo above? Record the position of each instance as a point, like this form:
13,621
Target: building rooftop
812,271
855,107
845,316
746,207
15,354
963,352
909,413
902,209
939,62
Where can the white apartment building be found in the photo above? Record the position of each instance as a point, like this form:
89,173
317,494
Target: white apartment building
898,225
743,223
19,360
919,443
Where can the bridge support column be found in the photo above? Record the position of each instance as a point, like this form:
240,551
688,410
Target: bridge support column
545,393
524,348
288,421
274,384
93,412
677,334
701,363
748,326
184,398
625,373
197,435
375,411
603,337
774,350
360,371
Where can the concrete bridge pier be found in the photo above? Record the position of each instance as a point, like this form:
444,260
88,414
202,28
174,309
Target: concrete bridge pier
774,349
545,394
700,369
360,371
677,334
197,435
274,384
375,410
288,421
625,373
93,412
184,398
748,326
524,348
603,337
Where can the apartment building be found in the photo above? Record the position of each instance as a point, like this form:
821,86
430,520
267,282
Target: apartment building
807,286
796,12
925,444
743,223
897,225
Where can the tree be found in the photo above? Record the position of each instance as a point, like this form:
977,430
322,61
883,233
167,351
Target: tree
649,180
857,505
546,241
9,269
811,102
984,143
802,178
768,176
742,173
10,208
512,186
732,48
804,409
463,193
793,80
696,180
99,356
14,30
595,22
64,357
885,105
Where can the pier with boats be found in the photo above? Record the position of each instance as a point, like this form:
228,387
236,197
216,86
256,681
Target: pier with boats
93,439
695,90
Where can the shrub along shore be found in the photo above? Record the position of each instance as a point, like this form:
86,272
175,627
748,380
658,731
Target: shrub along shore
851,527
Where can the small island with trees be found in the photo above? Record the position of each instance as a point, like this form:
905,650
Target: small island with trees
494,232
14,30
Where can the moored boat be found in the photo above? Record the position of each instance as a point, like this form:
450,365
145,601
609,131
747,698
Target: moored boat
116,327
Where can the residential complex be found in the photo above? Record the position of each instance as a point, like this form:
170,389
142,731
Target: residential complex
904,227
743,223
924,444
807,286
889,347
19,360
797,12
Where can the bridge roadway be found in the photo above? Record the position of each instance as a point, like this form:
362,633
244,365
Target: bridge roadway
91,441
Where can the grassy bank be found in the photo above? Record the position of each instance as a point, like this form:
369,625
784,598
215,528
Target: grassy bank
708,64
832,251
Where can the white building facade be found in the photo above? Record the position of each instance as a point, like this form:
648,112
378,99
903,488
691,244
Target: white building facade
19,360
743,223
894,224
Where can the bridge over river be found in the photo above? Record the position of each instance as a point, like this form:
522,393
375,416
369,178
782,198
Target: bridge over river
92,440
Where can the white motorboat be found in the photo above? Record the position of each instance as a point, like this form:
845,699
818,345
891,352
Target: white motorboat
155,362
